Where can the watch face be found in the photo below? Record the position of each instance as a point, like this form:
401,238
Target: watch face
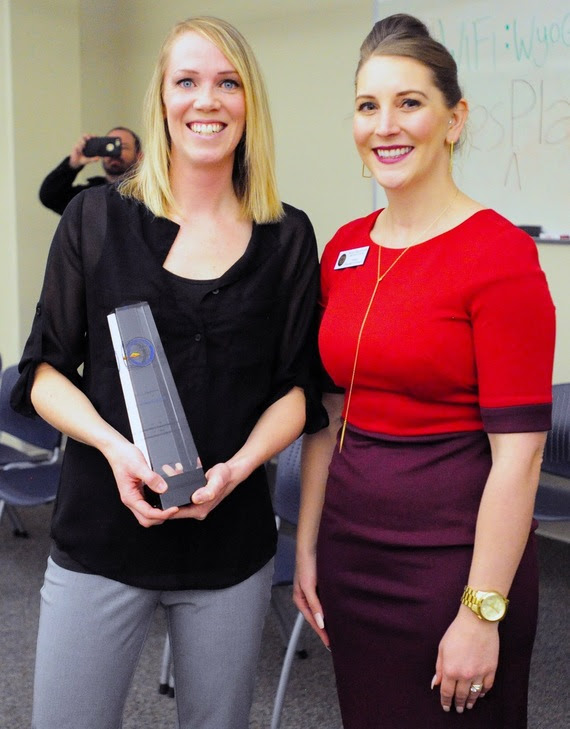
493,607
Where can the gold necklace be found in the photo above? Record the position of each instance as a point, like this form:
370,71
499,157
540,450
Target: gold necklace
379,278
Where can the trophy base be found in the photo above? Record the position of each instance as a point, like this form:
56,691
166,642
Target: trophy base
180,490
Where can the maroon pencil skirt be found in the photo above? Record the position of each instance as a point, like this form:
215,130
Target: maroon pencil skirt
393,556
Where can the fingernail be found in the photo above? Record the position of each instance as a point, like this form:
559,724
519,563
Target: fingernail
434,679
319,620
469,706
446,708
459,709
328,648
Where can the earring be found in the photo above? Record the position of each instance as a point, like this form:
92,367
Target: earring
451,145
364,168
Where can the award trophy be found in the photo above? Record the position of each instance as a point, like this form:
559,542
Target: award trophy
158,423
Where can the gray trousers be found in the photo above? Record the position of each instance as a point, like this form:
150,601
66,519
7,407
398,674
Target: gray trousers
92,632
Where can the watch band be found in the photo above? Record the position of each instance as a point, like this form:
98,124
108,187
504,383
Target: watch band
469,599
473,599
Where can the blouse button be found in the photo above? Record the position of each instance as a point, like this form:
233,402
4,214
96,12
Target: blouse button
197,337
38,309
216,291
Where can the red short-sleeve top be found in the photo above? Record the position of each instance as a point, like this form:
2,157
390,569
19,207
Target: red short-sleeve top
459,336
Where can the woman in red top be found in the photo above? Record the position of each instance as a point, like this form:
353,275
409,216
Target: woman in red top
438,334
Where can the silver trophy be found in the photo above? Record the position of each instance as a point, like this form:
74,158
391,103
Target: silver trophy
156,416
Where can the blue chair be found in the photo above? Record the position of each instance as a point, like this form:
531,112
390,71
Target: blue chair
26,431
29,470
553,495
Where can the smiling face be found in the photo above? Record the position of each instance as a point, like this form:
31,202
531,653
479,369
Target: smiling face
401,122
204,103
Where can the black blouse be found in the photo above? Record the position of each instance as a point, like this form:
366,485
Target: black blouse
235,345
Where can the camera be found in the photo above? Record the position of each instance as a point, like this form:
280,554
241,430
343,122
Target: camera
102,147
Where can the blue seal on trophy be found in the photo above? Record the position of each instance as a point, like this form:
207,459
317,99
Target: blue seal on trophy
139,352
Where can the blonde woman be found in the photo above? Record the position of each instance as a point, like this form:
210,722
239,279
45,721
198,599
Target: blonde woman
231,277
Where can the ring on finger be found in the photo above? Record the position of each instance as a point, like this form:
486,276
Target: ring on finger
475,688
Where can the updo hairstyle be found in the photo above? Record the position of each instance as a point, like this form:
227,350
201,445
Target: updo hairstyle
404,35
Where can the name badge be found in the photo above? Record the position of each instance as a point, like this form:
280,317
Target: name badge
352,258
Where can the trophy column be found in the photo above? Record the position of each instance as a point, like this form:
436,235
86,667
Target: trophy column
158,423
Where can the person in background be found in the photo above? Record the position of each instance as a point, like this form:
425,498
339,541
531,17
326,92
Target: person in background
58,189
437,333
231,276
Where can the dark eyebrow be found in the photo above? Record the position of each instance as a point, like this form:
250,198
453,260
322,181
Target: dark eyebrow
412,91
400,93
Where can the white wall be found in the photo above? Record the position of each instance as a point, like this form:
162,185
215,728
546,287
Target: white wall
106,74
309,64
9,335
41,94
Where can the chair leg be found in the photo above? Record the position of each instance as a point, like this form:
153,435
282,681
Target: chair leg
19,529
285,671
166,684
283,615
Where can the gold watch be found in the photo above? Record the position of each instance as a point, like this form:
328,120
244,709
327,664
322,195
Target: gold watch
486,604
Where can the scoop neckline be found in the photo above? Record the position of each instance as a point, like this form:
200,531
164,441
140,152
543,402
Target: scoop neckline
428,240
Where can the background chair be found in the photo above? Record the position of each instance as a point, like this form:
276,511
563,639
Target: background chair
553,496
286,506
286,500
23,432
29,469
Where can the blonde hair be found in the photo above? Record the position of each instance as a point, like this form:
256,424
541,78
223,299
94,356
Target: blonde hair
254,164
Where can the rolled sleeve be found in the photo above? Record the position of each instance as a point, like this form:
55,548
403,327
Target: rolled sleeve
58,329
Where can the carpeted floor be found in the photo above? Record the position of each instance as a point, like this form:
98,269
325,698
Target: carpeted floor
310,701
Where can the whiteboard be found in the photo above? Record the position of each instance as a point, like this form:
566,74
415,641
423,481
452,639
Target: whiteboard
513,58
